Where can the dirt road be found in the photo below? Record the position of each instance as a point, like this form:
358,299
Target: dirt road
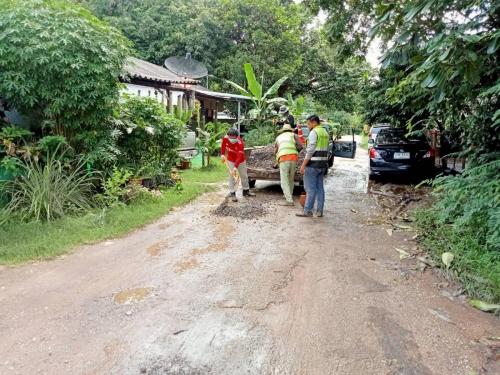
197,293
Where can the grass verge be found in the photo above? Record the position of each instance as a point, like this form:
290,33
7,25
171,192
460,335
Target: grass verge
475,265
21,242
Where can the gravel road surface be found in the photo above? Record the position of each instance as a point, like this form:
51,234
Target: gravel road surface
199,293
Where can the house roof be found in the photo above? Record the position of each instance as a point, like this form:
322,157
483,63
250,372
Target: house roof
218,95
140,69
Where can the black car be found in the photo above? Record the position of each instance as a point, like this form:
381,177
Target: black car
395,153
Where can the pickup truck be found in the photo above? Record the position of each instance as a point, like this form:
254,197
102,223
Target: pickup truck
343,149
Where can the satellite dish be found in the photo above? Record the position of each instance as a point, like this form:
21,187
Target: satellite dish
186,66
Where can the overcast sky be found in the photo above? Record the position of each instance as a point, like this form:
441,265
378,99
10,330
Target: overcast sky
373,53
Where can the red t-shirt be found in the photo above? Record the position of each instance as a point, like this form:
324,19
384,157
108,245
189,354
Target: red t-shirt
234,152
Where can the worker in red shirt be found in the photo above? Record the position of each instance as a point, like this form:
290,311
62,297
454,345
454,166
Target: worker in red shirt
233,154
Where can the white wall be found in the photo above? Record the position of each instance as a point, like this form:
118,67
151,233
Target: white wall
147,91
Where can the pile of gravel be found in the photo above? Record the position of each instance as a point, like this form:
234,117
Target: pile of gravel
263,158
248,209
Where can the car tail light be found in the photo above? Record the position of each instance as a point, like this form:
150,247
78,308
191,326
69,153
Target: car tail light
430,154
374,154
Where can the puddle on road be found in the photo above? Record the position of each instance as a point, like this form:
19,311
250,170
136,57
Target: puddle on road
128,296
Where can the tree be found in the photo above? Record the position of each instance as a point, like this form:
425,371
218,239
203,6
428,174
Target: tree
331,81
224,34
59,62
448,51
263,103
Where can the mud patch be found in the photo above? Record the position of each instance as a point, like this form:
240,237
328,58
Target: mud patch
186,264
162,226
221,233
398,344
134,295
154,250
213,248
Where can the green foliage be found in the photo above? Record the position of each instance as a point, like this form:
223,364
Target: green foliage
100,145
263,104
465,221
149,135
59,61
13,133
49,191
10,166
208,141
338,84
23,242
114,186
261,136
183,116
443,64
51,143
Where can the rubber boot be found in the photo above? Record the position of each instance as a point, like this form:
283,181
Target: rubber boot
233,197
248,193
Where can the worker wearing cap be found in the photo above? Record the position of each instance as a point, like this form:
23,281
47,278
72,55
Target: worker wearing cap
314,166
287,149
285,117
233,155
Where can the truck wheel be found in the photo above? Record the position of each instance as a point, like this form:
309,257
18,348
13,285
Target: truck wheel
252,183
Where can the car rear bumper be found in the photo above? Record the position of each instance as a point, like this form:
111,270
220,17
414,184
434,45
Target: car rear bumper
388,168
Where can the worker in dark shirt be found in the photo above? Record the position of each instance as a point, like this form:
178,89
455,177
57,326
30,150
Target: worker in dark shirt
285,117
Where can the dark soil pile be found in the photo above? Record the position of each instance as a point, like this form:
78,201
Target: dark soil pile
246,210
263,158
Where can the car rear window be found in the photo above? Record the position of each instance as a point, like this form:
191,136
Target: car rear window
396,136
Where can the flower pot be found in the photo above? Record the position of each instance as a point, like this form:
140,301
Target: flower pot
302,199
185,164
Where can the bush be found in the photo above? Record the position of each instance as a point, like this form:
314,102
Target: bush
50,191
114,187
51,143
149,135
261,136
59,61
465,220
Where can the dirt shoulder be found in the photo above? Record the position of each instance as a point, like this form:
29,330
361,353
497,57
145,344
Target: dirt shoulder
198,293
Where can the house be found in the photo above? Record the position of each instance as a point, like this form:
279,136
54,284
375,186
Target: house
150,80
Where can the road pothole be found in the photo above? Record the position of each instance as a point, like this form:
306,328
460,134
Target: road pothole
134,295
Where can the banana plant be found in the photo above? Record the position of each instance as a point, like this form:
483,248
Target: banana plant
262,101
296,106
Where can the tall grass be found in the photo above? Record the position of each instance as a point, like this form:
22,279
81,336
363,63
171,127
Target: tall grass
465,220
21,242
48,191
